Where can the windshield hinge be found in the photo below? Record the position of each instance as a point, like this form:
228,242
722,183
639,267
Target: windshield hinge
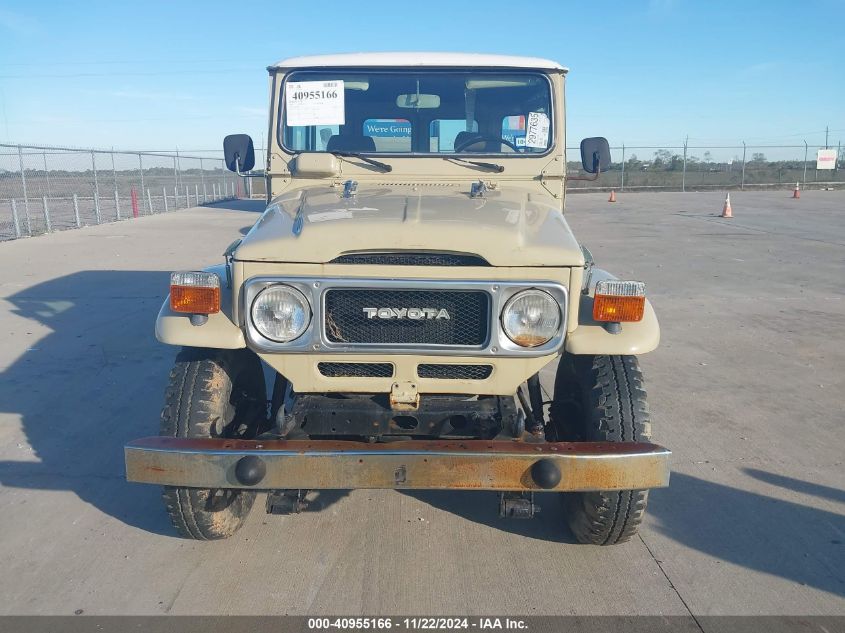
350,188
480,188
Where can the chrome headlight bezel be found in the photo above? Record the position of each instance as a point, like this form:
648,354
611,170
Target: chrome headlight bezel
315,340
553,312
294,293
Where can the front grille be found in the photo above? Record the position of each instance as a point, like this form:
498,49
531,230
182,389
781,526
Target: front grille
356,370
454,372
411,259
346,320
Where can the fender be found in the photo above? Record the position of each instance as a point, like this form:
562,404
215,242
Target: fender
590,337
174,328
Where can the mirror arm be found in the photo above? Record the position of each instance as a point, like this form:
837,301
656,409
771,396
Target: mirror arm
242,175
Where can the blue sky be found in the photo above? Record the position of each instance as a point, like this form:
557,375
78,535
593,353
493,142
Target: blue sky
161,75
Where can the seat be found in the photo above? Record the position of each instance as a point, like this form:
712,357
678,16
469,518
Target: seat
349,143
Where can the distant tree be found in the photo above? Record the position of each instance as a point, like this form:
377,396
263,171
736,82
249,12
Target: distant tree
663,156
758,157
708,157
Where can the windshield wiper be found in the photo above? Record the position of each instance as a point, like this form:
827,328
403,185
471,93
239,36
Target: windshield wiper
375,163
475,163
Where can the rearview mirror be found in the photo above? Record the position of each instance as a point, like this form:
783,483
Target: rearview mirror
418,101
239,153
595,154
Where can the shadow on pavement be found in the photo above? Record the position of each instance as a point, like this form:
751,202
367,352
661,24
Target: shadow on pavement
784,539
483,507
805,487
251,206
767,534
93,383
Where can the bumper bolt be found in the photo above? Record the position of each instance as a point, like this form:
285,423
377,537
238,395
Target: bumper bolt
545,473
250,470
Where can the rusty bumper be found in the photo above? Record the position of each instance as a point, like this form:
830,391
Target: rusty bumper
414,464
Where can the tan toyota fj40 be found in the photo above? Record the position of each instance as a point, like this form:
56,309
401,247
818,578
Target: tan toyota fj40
412,274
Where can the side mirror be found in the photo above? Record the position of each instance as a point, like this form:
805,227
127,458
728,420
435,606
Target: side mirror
239,153
595,154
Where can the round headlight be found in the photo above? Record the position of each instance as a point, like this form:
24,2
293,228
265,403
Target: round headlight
531,318
281,313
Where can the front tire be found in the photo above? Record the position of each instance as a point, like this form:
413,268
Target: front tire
212,394
601,399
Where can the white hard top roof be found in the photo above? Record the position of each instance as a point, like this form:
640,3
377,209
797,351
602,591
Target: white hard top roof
418,59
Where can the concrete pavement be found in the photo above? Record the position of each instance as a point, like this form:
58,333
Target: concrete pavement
746,389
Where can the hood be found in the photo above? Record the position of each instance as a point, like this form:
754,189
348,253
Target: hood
506,228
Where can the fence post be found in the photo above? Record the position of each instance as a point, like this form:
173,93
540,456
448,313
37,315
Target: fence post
197,194
187,199
46,174
25,196
214,191
684,173
47,224
805,163
164,197
742,183
202,181
622,186
114,179
178,166
141,169
97,208
96,186
150,202
15,218
175,198
76,211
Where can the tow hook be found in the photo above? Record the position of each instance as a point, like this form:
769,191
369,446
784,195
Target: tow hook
517,505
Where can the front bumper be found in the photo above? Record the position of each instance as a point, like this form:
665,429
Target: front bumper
411,464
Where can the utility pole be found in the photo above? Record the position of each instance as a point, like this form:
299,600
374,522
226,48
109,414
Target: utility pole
826,130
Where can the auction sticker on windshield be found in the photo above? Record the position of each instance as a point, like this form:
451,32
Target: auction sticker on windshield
537,130
314,103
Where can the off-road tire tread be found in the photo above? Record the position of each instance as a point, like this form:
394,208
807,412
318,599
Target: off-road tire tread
197,396
613,408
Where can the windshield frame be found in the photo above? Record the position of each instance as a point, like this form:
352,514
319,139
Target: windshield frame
404,70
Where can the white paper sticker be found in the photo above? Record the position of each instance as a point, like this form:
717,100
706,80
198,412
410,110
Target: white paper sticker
537,130
314,103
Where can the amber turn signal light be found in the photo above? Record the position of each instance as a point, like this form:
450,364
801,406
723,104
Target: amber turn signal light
195,293
619,301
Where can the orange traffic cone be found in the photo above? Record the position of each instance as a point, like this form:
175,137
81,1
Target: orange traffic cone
612,197
727,212
796,193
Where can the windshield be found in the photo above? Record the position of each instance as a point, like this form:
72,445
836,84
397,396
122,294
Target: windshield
430,112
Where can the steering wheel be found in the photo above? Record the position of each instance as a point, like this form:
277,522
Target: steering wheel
484,137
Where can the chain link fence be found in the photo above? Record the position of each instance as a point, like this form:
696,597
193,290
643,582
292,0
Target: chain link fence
696,167
44,189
